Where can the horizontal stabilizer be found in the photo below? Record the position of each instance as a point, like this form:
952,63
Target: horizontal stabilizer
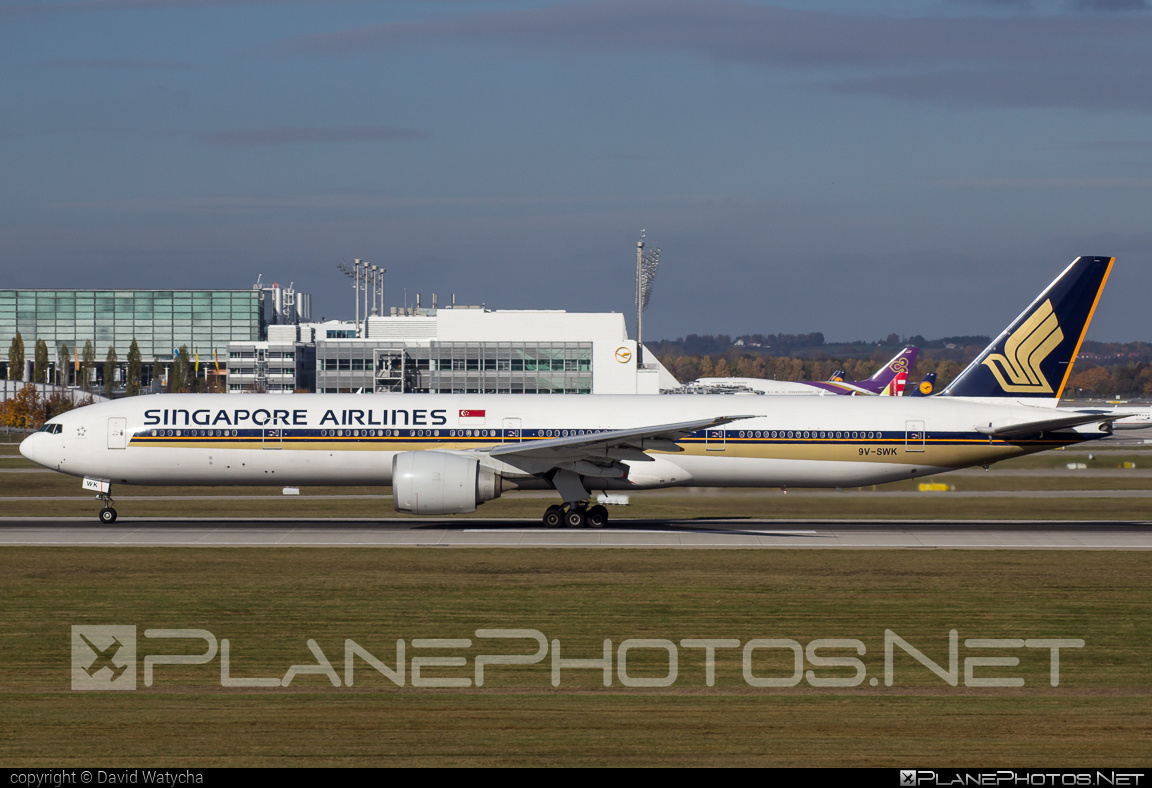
1018,429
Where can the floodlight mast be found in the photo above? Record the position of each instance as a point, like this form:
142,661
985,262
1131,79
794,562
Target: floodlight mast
646,265
639,302
353,272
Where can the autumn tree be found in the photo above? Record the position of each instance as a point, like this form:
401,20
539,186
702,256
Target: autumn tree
1095,382
16,358
180,377
65,365
135,369
40,372
110,362
87,365
25,410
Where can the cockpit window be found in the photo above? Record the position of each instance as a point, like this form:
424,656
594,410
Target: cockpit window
52,429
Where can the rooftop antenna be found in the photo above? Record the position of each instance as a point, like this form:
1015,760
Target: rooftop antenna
646,264
353,272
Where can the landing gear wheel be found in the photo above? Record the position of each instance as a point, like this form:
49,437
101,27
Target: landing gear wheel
107,515
553,517
575,518
597,516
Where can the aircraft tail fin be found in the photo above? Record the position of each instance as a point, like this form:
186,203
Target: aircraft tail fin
896,387
1032,358
926,387
901,362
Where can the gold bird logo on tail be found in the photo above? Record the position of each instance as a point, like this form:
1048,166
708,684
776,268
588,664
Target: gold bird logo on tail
1025,351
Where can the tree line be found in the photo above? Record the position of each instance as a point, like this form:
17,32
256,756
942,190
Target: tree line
1091,377
182,375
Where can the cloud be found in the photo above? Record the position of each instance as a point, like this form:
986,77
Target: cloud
297,135
1086,61
119,64
77,6
1112,5
1115,145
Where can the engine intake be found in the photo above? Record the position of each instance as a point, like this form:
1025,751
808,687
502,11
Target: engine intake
440,482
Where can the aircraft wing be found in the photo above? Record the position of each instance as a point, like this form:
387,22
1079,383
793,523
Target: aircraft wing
1019,429
612,445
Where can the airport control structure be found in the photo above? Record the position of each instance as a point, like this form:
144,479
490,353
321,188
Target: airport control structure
263,339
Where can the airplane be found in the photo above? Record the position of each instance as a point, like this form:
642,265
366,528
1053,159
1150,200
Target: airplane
877,384
448,454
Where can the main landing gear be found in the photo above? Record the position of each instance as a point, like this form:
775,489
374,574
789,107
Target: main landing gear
576,515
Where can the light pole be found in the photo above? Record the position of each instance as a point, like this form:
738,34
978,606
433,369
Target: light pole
646,265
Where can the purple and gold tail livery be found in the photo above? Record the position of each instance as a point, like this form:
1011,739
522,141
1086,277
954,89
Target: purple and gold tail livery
1032,358
902,362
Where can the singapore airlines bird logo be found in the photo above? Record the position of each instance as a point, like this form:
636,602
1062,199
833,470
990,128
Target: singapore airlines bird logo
1017,370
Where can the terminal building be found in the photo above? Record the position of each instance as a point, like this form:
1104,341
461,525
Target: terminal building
160,321
262,339
455,349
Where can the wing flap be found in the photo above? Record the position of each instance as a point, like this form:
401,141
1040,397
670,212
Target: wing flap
610,446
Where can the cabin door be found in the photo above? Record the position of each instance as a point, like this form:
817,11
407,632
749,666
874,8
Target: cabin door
914,435
117,432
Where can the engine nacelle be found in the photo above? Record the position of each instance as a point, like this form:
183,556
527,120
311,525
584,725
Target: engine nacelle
440,482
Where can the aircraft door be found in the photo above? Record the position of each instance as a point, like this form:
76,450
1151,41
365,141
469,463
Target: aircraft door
914,435
117,432
273,437
512,432
715,439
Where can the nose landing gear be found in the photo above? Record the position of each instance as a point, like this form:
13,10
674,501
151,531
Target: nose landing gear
107,514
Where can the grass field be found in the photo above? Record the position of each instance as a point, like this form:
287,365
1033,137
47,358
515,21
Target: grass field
268,603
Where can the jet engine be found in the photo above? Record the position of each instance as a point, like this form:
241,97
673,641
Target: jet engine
441,482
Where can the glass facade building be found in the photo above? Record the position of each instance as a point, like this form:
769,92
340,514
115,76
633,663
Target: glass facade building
455,367
159,320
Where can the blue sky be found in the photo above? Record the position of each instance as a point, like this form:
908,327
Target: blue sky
856,168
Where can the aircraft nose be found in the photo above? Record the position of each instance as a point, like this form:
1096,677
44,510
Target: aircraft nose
28,446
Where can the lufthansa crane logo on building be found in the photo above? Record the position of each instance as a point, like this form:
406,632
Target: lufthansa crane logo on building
1025,351
623,355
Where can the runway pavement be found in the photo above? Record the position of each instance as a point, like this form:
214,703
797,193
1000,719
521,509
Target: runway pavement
475,532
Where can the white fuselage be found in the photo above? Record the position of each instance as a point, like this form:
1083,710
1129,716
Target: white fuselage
342,439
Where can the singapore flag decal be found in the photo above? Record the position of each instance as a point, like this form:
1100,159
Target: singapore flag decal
472,414
472,418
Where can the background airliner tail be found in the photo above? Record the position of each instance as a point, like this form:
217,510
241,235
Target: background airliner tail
1032,358
901,362
926,387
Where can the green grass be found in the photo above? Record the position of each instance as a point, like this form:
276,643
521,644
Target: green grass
269,602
